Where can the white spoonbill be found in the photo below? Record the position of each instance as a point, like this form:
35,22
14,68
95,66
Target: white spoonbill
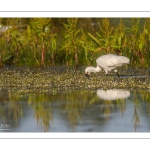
107,63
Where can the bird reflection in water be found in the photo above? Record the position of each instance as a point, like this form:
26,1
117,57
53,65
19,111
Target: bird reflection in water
111,97
113,94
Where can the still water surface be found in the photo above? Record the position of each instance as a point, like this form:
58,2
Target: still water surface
76,111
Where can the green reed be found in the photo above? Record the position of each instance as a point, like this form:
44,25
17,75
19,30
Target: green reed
41,42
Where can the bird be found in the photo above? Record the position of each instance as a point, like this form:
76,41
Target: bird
113,94
107,62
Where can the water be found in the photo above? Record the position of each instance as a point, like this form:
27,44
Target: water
76,111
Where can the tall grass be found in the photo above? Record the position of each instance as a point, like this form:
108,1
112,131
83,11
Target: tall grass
41,42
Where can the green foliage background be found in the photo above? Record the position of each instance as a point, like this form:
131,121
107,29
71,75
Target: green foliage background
73,41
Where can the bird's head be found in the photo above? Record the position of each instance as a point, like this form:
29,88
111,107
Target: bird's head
87,72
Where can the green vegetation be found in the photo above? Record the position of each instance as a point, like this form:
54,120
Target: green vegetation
72,41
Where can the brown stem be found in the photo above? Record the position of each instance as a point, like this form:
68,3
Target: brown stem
43,55
76,58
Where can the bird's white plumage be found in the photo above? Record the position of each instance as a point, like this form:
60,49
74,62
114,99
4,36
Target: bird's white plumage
111,60
108,62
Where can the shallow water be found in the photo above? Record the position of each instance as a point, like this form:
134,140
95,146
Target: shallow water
76,111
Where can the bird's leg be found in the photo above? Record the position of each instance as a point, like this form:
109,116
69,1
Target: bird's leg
106,72
117,73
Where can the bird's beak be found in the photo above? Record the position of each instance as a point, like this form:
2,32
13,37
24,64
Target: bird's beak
87,75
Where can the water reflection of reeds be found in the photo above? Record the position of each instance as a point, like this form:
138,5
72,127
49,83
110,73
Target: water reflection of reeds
41,105
74,103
